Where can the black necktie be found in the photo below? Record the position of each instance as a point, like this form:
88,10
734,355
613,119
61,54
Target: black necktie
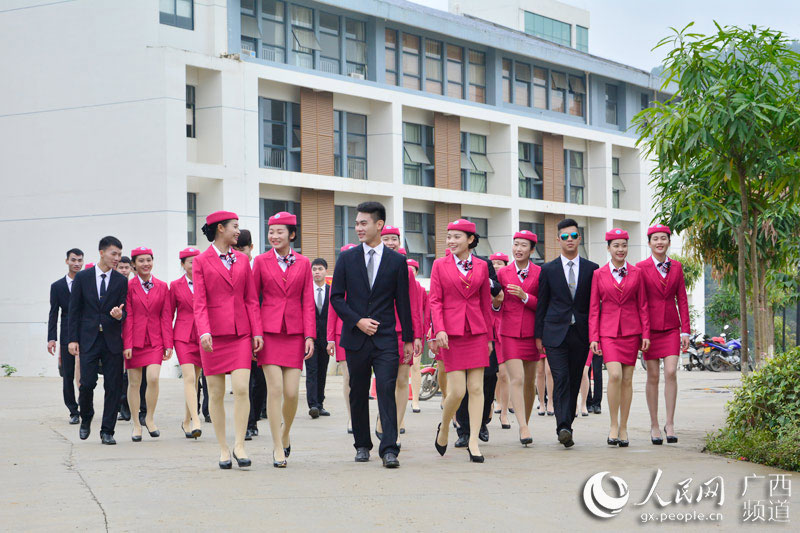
102,286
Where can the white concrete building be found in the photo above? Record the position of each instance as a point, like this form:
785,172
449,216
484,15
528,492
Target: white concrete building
137,119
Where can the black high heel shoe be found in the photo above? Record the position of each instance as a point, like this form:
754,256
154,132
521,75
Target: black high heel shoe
287,450
612,442
526,441
226,465
278,464
242,463
439,448
623,443
671,439
474,458
154,434
187,434
657,441
505,426
136,438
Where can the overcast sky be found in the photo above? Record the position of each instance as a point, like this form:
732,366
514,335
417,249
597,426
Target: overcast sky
627,30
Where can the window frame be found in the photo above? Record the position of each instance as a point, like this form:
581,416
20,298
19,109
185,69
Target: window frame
291,153
472,94
342,170
466,153
427,223
290,206
426,172
612,103
191,129
172,19
569,188
581,44
531,153
191,218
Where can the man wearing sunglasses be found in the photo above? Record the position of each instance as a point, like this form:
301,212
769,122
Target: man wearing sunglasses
562,323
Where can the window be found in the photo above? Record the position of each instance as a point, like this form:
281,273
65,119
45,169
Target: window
344,227
191,218
178,13
573,164
190,107
391,57
577,92
539,88
558,91
507,63
474,165
411,68
616,183
645,101
268,208
330,52
477,76
420,240
455,71
273,33
356,47
276,117
304,42
482,228
611,104
582,246
530,171
548,29
522,84
433,66
538,251
418,155
350,130
582,38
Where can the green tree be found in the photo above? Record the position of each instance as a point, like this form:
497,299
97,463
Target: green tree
725,147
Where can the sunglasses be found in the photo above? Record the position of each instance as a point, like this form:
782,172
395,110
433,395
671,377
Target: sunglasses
574,235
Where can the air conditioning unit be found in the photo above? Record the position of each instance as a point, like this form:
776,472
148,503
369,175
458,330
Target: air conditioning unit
251,53
356,75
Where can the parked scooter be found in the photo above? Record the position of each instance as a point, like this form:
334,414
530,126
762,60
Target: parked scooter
724,354
692,357
429,385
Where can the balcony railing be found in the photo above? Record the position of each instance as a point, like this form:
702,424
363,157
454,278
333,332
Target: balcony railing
275,157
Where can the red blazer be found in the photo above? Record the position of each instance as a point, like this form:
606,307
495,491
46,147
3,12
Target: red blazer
456,301
413,297
624,305
334,325
182,301
225,301
287,298
662,295
149,320
518,318
423,309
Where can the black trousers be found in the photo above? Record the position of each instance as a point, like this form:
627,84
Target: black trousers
489,386
566,364
204,389
596,394
68,380
361,363
142,392
258,394
316,376
112,383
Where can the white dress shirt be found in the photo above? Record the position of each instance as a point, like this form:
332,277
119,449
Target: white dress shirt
98,273
281,264
224,261
69,283
458,266
141,282
575,267
189,283
521,281
319,296
616,275
656,261
376,261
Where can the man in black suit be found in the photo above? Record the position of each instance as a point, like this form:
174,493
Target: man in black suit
96,312
368,282
59,299
562,323
317,365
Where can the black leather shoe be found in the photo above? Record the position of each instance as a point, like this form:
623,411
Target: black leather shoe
483,434
278,464
124,412
137,438
597,410
263,414
416,410
390,460
186,434
86,428
323,412
287,451
612,442
462,441
248,435
624,443
74,419
313,412
255,431
349,431
671,439
207,419
107,438
657,441
549,413
362,455
474,458
119,417
439,448
226,465
402,431
242,463
155,434
565,438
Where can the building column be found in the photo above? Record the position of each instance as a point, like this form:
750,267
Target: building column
553,167
316,132
443,215
317,217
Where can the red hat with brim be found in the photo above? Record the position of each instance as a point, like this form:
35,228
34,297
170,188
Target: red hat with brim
390,230
462,225
219,216
284,218
88,266
659,228
500,256
141,250
189,252
525,234
413,263
347,247
402,251
617,233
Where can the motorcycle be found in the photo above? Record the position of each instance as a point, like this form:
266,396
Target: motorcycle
429,385
692,357
723,354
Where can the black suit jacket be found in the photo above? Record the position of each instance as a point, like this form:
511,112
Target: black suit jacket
87,313
322,316
59,299
555,306
495,287
353,300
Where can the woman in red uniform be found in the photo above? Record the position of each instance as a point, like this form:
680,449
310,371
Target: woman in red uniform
147,337
461,306
187,343
670,327
284,282
619,328
520,282
390,236
502,393
416,376
335,350
227,319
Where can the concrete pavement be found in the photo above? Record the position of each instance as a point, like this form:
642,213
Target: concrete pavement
52,480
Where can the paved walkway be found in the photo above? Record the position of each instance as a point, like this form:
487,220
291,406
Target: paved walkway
52,480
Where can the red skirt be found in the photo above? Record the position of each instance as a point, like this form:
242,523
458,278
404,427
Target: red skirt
281,349
664,343
230,353
519,348
339,350
623,350
188,353
465,352
149,355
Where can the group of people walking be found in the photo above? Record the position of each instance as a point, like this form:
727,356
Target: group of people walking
260,320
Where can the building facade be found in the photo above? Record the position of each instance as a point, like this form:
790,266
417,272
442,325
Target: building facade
137,119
